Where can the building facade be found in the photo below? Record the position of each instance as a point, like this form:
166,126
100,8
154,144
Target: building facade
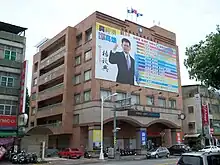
194,96
69,78
12,54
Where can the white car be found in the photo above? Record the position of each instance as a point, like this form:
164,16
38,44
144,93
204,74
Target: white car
210,149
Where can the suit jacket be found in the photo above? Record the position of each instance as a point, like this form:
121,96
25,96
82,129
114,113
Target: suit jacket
124,76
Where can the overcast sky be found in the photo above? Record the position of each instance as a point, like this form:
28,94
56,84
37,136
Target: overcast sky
191,20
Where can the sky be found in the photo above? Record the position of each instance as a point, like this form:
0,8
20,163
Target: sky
191,20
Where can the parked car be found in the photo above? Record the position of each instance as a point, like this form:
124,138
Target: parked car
158,152
210,149
71,153
199,158
179,149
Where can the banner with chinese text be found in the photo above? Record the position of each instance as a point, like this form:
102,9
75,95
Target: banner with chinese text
129,59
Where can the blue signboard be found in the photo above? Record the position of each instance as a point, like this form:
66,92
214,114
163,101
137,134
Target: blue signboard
143,137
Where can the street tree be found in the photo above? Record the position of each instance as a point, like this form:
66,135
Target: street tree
203,60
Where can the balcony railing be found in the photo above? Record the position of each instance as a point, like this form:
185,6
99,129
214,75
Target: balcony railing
49,106
51,92
58,124
56,72
53,57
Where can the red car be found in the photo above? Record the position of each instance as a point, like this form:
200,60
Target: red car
70,153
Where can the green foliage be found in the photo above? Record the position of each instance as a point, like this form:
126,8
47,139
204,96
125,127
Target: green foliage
203,60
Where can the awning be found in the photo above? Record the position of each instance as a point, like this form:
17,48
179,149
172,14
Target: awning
191,135
7,134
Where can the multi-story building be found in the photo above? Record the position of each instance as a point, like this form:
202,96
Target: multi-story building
72,71
12,54
194,96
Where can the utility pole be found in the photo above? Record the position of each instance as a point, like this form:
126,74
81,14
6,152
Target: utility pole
115,131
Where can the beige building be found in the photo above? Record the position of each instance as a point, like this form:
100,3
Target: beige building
65,99
192,125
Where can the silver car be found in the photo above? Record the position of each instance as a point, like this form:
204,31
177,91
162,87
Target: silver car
158,153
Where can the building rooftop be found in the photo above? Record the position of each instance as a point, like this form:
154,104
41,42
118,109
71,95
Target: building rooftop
11,28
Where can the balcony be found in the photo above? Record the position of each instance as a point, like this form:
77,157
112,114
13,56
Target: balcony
51,92
55,73
50,110
53,57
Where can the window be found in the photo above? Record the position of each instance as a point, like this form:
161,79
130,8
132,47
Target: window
150,100
172,103
87,96
77,79
77,98
191,125
32,124
87,75
35,82
7,81
36,67
79,40
162,102
88,55
135,99
89,34
76,119
7,109
191,109
33,96
33,111
10,55
121,95
77,60
194,160
105,94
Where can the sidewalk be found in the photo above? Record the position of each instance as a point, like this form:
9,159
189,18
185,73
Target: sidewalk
57,160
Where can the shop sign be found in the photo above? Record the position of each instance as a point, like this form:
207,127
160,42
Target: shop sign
143,137
205,114
144,114
178,137
8,122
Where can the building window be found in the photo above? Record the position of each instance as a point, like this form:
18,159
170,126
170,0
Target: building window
8,109
162,102
33,111
35,67
87,96
105,94
7,81
89,34
76,119
10,55
77,60
32,124
191,125
33,96
135,99
77,79
77,98
88,55
150,100
87,75
121,95
172,103
191,109
35,81
79,40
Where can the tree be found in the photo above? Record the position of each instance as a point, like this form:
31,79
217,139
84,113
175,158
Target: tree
27,104
203,60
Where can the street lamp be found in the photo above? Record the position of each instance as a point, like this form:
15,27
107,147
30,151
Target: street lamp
101,156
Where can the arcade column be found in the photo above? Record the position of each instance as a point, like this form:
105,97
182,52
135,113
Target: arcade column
166,139
93,132
141,139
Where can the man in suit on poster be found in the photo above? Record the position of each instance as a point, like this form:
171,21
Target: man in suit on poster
124,61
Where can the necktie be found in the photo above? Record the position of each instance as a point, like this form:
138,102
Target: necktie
128,61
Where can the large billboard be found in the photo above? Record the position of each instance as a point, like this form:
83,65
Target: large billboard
129,59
